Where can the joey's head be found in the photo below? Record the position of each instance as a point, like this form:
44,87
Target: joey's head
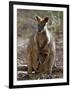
41,23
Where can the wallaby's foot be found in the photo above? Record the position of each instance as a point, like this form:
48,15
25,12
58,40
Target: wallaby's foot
45,76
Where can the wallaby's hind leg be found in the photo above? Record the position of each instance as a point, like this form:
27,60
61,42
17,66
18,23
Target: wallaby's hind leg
29,62
50,64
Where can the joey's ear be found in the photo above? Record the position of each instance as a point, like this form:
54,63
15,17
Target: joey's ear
38,18
45,20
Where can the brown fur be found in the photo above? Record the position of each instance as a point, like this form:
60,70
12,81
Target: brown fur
41,55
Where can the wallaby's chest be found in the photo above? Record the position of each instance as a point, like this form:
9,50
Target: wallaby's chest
41,40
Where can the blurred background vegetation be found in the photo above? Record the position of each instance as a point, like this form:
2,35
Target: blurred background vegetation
26,20
26,25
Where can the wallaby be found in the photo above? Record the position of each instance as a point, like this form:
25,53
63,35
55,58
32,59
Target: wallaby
41,49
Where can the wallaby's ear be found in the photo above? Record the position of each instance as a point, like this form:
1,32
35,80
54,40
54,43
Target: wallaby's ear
38,18
45,20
